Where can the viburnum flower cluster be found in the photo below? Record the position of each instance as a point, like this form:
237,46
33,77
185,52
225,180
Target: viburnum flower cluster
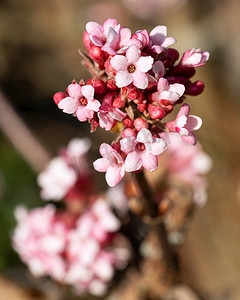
77,244
137,80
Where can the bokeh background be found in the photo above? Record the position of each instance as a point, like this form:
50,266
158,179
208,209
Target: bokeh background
38,57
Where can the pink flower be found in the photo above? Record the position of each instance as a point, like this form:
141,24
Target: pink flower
107,114
80,102
142,151
40,241
56,180
184,124
194,58
158,40
111,163
166,91
132,68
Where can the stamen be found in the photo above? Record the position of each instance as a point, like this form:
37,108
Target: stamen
131,68
83,101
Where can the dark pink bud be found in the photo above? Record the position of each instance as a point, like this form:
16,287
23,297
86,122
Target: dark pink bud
116,146
128,123
97,54
108,65
87,41
119,101
98,84
111,85
133,93
156,112
195,88
141,107
59,96
140,123
128,132
171,55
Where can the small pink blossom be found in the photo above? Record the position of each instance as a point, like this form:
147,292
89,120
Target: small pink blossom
194,58
184,124
166,91
132,68
108,115
142,151
159,40
56,180
80,102
111,163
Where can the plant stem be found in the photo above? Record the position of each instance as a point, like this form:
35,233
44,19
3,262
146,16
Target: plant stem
169,255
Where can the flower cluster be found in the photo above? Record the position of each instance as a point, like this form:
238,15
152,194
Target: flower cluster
79,244
136,82
70,249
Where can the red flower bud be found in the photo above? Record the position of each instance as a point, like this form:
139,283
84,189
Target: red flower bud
128,123
97,54
111,85
140,123
59,96
156,112
119,101
195,88
98,84
141,107
87,41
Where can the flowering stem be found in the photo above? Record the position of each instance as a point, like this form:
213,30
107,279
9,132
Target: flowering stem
169,255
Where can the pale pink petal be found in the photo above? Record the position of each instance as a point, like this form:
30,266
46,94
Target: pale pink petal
103,269
93,105
108,24
109,222
83,114
144,64
157,49
117,114
182,131
112,37
163,85
168,41
127,144
119,62
69,105
149,161
181,121
74,90
157,147
123,78
133,161
93,28
106,121
88,92
184,110
158,35
101,164
193,123
108,48
133,54
190,139
106,151
158,69
114,175
140,80
144,136
96,41
125,35
177,88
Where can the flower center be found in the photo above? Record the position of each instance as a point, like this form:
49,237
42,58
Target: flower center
131,69
83,100
140,146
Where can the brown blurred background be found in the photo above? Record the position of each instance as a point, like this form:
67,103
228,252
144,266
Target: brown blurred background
38,57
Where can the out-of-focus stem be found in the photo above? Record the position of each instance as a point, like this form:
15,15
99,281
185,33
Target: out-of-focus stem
169,255
21,137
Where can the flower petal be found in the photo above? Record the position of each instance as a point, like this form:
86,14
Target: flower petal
119,62
133,161
114,175
93,105
144,64
106,151
144,136
127,144
83,114
190,138
74,90
149,161
101,164
140,80
168,41
133,54
184,110
69,105
158,35
193,123
157,147
123,78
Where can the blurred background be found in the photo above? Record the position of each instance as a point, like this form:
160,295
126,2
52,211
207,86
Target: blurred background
38,57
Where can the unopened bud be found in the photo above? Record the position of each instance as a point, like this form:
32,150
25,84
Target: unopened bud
59,96
108,65
156,112
111,85
171,55
140,123
141,107
128,123
87,41
119,101
97,54
128,132
195,88
98,84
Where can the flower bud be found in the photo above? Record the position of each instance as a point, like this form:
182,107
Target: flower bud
119,101
87,41
195,88
111,85
128,132
156,112
171,55
59,96
140,123
141,107
98,84
97,54
108,65
128,123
